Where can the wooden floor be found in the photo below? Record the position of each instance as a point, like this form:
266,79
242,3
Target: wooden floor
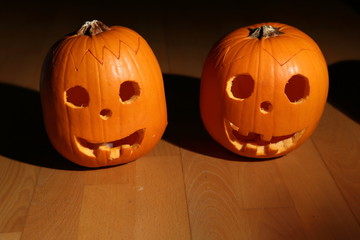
188,187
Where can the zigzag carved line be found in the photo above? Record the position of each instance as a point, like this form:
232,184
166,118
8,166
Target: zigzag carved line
288,59
280,63
101,60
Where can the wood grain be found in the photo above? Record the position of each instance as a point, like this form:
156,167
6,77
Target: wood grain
339,146
17,184
161,211
116,220
319,202
236,198
56,202
10,236
188,186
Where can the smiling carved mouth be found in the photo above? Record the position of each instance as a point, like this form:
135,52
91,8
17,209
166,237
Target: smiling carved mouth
122,147
258,144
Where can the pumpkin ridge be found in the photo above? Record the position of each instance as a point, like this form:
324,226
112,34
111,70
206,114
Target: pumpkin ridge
134,50
67,59
236,59
222,58
117,55
239,48
56,52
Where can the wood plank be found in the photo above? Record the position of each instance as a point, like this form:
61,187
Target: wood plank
145,200
10,236
55,208
274,223
161,208
115,220
122,174
232,199
187,187
338,140
112,191
164,148
319,203
17,184
264,186
125,174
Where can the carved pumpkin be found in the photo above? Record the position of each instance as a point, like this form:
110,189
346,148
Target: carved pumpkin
102,96
263,90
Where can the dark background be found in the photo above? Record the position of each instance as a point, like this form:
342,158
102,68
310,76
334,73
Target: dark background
29,29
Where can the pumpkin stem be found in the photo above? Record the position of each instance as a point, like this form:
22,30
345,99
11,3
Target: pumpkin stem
265,31
92,28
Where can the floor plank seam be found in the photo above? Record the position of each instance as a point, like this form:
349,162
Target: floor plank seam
31,201
185,191
335,182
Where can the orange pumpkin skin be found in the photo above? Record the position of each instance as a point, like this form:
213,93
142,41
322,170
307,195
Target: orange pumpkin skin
103,97
262,96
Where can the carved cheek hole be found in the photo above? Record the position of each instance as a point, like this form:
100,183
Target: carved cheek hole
129,91
105,113
240,86
266,107
77,97
297,89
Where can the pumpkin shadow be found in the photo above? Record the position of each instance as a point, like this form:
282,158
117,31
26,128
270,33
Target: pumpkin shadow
23,136
344,87
185,128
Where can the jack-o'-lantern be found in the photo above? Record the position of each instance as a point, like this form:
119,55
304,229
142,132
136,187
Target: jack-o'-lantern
102,96
263,90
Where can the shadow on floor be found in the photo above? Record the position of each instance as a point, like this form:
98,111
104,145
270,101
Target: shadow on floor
23,137
185,128
344,88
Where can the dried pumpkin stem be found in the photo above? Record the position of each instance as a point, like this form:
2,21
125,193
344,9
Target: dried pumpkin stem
265,31
92,28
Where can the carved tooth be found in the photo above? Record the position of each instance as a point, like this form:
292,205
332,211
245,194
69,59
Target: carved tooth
101,151
280,146
126,150
250,148
98,152
288,143
271,149
244,132
135,146
114,153
266,138
260,150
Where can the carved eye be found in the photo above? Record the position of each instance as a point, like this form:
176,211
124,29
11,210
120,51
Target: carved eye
77,97
129,91
297,89
240,86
